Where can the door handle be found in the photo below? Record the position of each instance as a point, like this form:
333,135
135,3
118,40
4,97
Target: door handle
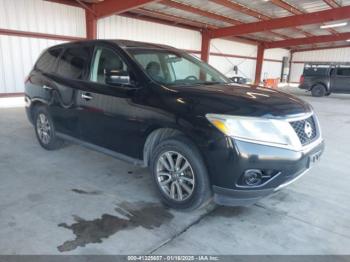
47,87
86,96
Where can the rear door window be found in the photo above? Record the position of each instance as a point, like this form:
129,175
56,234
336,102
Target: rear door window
343,71
74,61
47,61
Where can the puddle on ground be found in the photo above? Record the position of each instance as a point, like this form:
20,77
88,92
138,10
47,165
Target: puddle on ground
80,191
132,215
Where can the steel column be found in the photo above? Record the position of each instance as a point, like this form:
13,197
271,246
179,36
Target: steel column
205,49
259,63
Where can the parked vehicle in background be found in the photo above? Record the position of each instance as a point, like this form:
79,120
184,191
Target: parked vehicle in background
324,79
240,80
159,107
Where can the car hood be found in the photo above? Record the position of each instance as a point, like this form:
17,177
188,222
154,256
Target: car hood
243,100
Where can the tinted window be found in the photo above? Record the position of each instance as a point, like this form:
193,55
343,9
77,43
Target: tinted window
73,62
316,71
105,60
47,61
343,71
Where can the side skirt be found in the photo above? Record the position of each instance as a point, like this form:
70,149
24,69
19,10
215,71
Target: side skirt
134,161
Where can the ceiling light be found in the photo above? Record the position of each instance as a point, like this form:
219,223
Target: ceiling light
333,25
348,40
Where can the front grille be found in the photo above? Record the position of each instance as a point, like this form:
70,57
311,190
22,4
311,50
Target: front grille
306,130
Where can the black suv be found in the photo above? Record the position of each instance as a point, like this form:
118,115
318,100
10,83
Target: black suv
159,107
324,79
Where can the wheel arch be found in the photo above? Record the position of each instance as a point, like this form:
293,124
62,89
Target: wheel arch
320,83
155,136
34,104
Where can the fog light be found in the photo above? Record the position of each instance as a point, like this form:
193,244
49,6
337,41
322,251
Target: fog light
252,177
257,177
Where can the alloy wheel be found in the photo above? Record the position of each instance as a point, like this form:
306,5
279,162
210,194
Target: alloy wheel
175,176
43,128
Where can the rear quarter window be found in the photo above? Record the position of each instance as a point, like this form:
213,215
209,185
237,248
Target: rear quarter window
47,61
74,62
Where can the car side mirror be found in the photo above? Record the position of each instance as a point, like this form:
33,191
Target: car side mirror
117,77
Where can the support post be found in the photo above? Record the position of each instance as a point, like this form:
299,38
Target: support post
91,25
290,65
205,49
259,63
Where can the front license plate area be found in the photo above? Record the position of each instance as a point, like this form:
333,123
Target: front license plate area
314,158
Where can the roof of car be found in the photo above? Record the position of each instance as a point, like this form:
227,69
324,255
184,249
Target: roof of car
123,44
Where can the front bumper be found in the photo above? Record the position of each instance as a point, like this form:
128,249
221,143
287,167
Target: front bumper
287,165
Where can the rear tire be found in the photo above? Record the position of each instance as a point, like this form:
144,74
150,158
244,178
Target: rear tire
180,174
45,129
318,90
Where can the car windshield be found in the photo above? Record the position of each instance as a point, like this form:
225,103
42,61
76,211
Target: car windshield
176,68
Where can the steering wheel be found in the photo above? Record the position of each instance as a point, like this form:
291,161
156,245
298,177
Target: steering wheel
191,78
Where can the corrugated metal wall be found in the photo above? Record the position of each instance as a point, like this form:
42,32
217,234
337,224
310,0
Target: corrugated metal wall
18,54
42,16
134,29
17,57
326,55
246,65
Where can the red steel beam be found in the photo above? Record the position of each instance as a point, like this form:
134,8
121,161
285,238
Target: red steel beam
66,2
91,25
158,20
308,40
320,48
256,14
242,9
162,18
39,35
332,3
111,7
197,11
259,63
205,49
245,10
172,18
286,6
295,11
284,22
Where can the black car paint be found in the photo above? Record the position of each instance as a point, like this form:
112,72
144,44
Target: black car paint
120,119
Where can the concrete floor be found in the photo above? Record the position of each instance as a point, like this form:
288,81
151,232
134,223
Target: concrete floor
76,201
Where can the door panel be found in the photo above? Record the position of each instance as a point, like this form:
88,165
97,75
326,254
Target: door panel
107,112
340,81
68,80
108,121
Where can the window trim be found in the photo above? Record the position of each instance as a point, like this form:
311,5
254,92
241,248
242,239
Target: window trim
117,52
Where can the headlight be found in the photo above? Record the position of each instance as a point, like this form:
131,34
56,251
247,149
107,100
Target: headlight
257,129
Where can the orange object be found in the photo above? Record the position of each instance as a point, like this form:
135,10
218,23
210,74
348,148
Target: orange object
271,83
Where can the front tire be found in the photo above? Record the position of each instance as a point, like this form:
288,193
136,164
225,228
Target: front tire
318,91
180,174
45,130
